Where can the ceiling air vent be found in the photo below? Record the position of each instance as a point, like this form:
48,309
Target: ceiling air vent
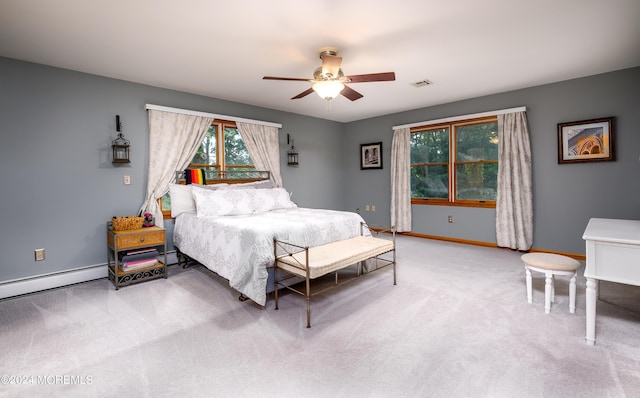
422,83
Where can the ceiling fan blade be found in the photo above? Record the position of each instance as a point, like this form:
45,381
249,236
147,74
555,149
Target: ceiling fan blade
372,77
295,79
303,94
331,64
351,93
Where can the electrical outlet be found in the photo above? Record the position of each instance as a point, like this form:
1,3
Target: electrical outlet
450,218
39,254
373,207
127,180
366,207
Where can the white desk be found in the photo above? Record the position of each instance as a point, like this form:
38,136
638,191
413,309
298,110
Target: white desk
613,254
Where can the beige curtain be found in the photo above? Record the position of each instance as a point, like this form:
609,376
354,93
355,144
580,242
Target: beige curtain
263,147
174,139
514,202
401,180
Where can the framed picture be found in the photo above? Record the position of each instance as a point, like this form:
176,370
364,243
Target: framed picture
586,141
371,156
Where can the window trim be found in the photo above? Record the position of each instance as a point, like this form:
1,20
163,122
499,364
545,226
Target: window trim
452,125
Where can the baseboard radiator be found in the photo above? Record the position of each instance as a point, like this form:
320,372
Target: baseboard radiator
32,284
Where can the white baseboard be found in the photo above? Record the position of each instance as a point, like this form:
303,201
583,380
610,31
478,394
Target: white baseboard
34,284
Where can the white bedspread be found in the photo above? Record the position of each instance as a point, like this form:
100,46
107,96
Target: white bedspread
240,248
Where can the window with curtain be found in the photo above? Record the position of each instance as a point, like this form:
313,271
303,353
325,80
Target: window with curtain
222,149
456,163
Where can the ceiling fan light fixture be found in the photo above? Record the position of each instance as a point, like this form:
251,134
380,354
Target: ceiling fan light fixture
329,80
328,89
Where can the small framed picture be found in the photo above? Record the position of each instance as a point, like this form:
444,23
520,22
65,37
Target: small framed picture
371,156
586,141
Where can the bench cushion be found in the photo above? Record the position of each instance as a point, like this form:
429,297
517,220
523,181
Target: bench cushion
335,256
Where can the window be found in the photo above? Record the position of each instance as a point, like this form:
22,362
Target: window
221,150
455,163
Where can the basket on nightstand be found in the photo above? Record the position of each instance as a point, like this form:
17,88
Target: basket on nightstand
127,223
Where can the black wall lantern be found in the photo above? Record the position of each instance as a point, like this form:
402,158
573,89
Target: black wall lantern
120,146
292,153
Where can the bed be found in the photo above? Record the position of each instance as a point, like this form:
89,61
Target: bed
231,230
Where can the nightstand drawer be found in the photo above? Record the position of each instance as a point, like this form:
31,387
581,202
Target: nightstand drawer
142,239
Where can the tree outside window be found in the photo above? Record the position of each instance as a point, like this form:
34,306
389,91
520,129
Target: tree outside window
455,163
222,149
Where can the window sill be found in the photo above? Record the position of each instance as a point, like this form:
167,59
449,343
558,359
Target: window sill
435,202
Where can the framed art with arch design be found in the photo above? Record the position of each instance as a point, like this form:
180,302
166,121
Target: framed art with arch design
586,141
371,156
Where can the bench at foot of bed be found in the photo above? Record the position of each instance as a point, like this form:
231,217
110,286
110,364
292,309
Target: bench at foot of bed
313,262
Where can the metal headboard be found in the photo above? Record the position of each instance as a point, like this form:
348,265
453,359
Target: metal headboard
229,176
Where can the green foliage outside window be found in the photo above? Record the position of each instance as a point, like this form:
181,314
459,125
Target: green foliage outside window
235,154
475,164
477,161
206,153
429,164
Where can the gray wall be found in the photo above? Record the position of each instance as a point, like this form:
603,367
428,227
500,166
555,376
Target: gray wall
59,187
565,196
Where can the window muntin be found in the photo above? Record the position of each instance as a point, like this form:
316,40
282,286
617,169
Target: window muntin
455,163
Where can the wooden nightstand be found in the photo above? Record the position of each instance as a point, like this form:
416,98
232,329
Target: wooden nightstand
122,242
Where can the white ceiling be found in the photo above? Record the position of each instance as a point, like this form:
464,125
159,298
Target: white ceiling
221,49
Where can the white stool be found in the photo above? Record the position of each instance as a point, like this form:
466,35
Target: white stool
550,265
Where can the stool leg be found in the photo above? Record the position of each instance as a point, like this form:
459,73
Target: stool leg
547,291
572,294
553,288
529,292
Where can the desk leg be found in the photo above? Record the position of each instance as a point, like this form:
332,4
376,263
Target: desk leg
591,295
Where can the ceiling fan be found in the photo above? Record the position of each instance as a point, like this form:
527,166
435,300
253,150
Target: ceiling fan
329,81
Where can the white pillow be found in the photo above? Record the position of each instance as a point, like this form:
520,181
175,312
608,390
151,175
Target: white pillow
182,197
212,187
266,184
270,199
234,202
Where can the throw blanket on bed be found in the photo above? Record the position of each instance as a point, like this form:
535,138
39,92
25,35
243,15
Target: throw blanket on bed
195,176
240,248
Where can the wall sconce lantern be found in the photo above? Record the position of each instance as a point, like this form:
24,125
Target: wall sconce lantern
292,153
120,146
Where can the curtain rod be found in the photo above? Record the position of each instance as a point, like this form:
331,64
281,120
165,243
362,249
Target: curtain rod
213,115
463,117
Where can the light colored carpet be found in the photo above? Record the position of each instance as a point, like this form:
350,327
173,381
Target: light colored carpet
456,325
